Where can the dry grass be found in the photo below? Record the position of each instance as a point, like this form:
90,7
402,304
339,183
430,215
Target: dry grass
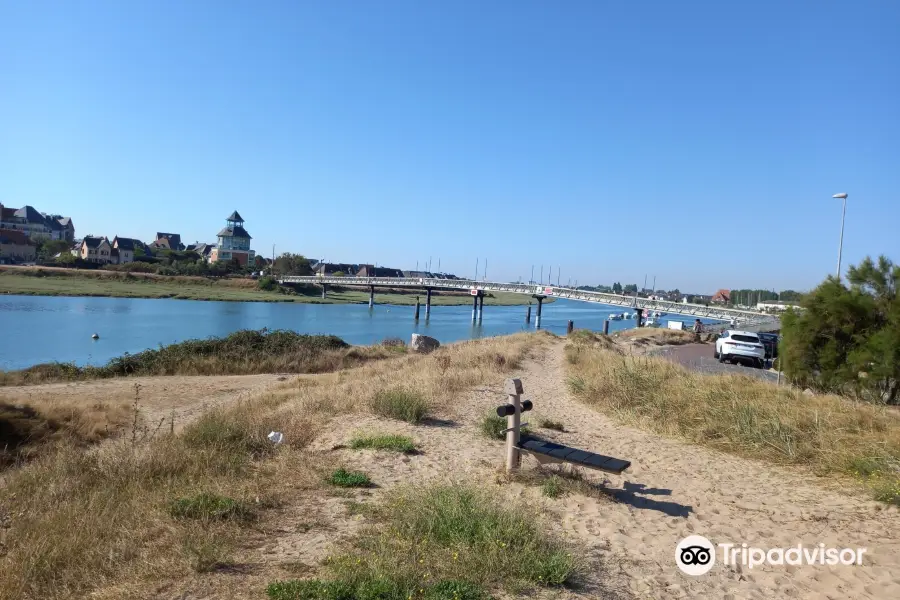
442,542
658,337
25,429
79,520
743,416
100,521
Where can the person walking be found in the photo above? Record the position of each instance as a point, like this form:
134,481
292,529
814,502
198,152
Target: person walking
698,329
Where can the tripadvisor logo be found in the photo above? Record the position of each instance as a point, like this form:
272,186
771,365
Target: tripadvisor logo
695,555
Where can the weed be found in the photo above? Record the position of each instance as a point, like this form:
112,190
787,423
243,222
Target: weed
347,479
551,424
400,404
393,443
495,427
552,487
210,507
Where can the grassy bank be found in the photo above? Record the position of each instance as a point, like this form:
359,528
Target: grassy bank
742,415
138,516
64,282
241,353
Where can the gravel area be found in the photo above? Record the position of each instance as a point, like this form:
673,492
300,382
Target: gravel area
699,358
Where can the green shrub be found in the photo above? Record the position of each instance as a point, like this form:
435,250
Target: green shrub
495,427
267,284
400,404
552,487
210,507
394,443
344,478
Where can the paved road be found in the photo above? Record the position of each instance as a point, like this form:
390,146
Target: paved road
699,357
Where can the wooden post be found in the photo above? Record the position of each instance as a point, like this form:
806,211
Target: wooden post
417,308
570,327
605,327
371,296
528,314
514,390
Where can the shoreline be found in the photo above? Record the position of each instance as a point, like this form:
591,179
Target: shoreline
114,284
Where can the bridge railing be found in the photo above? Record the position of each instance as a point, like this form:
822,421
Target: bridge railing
666,306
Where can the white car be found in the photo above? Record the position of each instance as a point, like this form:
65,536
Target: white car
740,345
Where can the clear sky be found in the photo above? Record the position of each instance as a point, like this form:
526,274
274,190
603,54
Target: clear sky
700,142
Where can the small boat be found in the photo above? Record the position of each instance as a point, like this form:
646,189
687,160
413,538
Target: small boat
614,317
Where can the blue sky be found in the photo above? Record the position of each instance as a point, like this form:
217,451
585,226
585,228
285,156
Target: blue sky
696,141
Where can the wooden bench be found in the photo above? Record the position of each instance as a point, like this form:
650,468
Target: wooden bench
545,451
550,452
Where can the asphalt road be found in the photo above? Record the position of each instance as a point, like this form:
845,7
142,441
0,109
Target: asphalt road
699,358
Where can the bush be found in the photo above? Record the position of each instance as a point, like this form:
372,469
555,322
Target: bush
344,478
241,352
400,404
846,339
267,284
393,443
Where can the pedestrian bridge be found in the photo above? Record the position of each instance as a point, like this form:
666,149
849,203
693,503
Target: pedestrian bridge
744,318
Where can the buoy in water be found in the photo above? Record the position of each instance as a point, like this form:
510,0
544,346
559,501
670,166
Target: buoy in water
95,337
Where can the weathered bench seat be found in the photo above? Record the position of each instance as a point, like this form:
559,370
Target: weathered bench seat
546,451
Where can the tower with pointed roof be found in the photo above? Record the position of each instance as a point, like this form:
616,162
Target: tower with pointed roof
234,242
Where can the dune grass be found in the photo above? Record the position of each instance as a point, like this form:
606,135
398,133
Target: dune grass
743,416
393,443
79,521
116,520
442,542
400,404
26,429
240,353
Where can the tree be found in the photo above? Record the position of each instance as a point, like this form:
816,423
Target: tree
848,337
259,262
631,288
67,259
617,288
292,264
48,248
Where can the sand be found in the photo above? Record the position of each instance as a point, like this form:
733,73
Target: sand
632,525
672,490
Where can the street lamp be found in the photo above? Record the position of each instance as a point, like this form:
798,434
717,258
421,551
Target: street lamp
842,196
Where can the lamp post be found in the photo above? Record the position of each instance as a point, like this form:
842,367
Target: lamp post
842,196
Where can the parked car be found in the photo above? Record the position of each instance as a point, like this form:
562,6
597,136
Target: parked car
740,345
770,341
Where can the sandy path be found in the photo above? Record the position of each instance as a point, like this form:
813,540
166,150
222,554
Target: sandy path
187,396
672,490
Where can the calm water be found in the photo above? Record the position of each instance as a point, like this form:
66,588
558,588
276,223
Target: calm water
38,329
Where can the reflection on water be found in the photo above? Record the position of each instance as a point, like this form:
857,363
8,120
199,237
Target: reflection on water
36,329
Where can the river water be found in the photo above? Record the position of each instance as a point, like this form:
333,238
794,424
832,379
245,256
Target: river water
37,329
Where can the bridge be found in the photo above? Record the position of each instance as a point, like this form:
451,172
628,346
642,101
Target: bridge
744,318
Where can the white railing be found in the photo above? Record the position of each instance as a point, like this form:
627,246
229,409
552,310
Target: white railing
694,310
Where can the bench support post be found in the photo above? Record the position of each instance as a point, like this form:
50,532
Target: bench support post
513,421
